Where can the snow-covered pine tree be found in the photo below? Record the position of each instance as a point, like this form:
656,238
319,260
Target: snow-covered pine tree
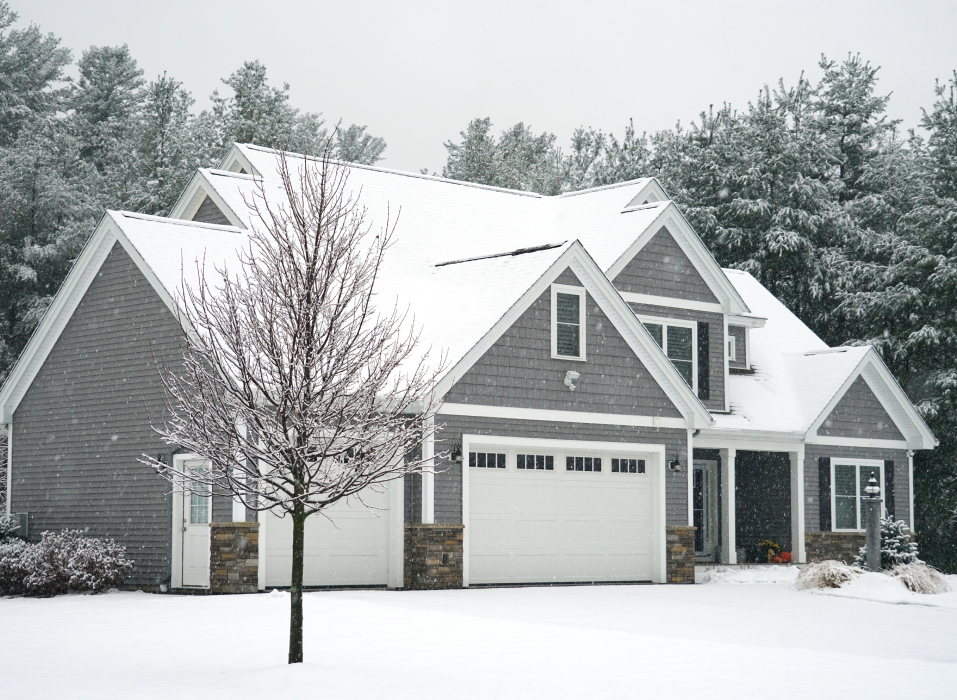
896,546
354,145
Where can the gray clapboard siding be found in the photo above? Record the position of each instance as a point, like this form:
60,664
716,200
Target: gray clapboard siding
209,213
715,347
83,423
812,504
859,414
740,335
518,370
661,268
448,483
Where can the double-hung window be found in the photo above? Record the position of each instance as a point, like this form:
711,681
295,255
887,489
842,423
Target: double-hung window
568,322
677,339
732,350
849,478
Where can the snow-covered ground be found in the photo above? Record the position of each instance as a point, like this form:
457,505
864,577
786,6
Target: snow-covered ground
721,640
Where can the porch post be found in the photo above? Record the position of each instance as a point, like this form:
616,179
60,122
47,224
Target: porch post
729,553
912,519
797,505
428,480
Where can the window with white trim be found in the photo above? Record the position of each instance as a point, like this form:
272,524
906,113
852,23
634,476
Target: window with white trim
679,341
568,322
849,478
732,350
487,460
529,462
582,464
627,466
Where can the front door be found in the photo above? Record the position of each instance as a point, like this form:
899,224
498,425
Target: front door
197,506
705,507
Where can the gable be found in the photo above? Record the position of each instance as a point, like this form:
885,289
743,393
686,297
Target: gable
518,370
662,269
209,213
859,414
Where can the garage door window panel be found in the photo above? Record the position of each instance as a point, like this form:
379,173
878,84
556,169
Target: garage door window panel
487,460
535,462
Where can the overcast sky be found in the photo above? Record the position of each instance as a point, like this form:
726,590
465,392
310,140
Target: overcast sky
417,72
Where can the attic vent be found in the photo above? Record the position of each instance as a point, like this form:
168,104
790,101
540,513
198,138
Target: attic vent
520,251
640,207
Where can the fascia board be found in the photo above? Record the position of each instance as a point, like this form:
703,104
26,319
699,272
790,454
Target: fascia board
188,202
651,192
50,328
236,153
891,397
620,314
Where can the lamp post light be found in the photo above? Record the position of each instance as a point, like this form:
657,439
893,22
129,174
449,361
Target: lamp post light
872,511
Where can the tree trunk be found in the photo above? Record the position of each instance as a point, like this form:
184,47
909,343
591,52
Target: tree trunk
295,590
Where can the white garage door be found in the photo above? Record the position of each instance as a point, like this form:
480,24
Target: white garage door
349,548
540,515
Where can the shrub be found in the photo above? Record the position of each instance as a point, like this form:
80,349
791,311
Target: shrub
9,525
896,547
825,574
921,578
60,563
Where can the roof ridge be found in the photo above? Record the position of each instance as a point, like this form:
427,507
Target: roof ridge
600,188
517,251
176,222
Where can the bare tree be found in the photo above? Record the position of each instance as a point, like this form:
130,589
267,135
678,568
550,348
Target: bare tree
293,385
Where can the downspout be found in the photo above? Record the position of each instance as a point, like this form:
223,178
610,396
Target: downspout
9,429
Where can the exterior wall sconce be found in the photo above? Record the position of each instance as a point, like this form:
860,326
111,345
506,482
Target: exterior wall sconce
570,376
674,465
456,451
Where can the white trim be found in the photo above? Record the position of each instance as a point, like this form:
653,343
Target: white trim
67,298
797,506
731,350
857,442
689,469
607,298
729,555
858,464
910,489
10,466
727,364
748,440
397,532
552,416
695,250
657,471
582,304
656,195
672,303
261,578
190,201
665,322
746,321
428,477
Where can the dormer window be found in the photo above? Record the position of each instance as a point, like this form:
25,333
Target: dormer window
568,322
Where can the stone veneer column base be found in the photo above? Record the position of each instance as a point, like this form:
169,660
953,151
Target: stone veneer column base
680,545
840,546
233,557
433,556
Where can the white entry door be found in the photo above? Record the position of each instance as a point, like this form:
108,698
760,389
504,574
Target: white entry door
197,510
540,514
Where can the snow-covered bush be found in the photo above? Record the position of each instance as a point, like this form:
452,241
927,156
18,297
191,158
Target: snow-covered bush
921,578
896,546
12,572
825,574
60,563
9,525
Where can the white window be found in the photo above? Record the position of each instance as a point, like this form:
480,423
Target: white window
680,342
732,354
568,322
849,478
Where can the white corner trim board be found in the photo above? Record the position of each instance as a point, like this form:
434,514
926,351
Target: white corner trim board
541,414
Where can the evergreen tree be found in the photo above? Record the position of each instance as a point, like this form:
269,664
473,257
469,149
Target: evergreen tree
896,546
473,160
354,145
31,64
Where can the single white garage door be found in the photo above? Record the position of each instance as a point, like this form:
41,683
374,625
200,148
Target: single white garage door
540,515
349,548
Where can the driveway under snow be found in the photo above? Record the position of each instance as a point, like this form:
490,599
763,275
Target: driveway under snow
719,640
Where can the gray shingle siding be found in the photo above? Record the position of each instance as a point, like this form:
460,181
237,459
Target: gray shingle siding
83,423
518,370
715,346
812,453
859,414
661,268
448,485
740,335
209,213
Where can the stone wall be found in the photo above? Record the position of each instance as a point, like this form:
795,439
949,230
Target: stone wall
233,557
680,546
840,546
433,556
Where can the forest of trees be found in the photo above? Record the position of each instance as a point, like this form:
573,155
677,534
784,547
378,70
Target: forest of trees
812,188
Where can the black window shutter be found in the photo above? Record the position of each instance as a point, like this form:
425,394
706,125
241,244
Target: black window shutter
889,487
824,476
704,365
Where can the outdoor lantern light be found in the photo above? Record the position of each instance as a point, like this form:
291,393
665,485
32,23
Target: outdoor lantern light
674,465
872,489
456,451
